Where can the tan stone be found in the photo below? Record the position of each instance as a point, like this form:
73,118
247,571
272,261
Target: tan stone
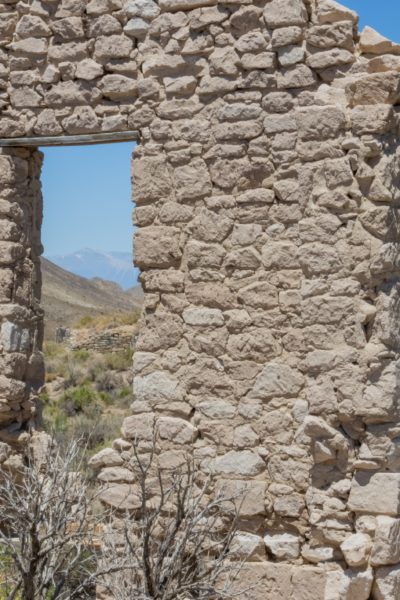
386,546
330,11
356,549
121,496
280,13
277,379
372,42
241,463
106,458
387,583
375,493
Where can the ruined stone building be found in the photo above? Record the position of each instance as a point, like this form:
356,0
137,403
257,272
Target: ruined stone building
266,183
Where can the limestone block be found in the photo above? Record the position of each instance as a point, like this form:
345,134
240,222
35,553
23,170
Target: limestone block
253,41
136,27
120,496
118,87
174,5
372,42
318,258
105,458
317,554
262,60
104,25
330,11
375,493
210,227
69,51
157,246
146,9
327,59
248,496
82,120
168,280
157,388
278,124
379,401
203,255
176,430
349,585
386,547
277,380
25,97
356,549
13,338
281,13
99,7
151,178
88,69
241,130
112,46
32,26
8,23
203,317
372,119
290,55
286,36
320,123
245,437
297,76
334,35
376,88
243,463
259,295
248,546
217,409
31,46
283,546
68,28
116,475
67,93
280,255
387,583
202,17
138,427
192,181
290,505
180,86
254,344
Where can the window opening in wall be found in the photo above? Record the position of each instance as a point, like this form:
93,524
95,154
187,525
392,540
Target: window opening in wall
90,291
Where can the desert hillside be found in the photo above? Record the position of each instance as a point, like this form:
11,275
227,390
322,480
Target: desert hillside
67,298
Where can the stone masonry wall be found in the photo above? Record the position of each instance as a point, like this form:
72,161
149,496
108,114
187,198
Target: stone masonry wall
21,318
112,339
267,197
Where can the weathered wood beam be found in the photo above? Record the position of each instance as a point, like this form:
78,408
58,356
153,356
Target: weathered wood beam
70,140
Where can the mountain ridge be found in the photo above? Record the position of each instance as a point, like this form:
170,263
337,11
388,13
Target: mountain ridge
67,297
114,266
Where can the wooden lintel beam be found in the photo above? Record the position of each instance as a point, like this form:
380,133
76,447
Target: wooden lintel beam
70,140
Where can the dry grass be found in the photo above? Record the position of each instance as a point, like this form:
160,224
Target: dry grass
108,321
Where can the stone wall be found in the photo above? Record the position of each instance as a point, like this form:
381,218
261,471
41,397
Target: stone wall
21,318
267,196
112,339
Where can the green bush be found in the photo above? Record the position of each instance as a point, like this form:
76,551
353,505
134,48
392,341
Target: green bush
77,399
119,361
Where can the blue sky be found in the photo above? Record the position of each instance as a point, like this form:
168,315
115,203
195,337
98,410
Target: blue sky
87,198
87,195
382,15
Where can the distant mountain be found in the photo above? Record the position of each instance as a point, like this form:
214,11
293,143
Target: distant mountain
111,266
66,297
